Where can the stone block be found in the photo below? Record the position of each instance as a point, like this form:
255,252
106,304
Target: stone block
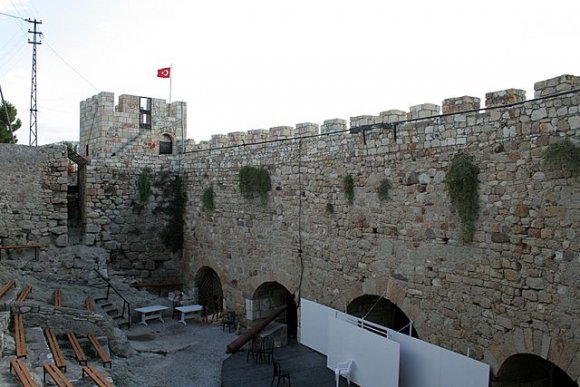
504,97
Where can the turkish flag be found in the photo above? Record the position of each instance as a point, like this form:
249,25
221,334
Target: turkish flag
164,72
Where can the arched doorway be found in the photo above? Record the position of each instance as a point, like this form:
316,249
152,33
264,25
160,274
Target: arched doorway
165,145
270,296
528,370
209,290
381,311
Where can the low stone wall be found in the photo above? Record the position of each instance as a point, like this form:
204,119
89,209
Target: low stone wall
33,201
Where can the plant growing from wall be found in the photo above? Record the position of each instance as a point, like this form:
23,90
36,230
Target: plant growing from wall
329,208
383,190
172,207
255,182
144,185
463,186
207,199
563,155
348,186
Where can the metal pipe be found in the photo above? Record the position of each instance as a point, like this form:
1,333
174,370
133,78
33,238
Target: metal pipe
242,339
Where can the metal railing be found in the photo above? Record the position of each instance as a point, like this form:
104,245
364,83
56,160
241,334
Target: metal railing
126,304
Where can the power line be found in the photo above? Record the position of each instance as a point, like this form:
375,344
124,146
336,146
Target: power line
70,66
15,17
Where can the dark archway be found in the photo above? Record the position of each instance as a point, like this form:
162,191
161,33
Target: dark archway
381,311
272,295
209,290
165,145
528,370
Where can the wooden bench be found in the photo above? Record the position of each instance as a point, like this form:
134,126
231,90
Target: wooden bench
89,304
100,350
57,297
55,349
6,287
76,347
56,375
19,336
35,246
97,377
22,372
23,295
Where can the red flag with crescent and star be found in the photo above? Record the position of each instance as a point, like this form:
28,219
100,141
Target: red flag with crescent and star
164,72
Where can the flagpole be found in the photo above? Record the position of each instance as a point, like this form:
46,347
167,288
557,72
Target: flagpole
170,80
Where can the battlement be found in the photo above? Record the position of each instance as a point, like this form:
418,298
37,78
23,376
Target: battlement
461,107
142,124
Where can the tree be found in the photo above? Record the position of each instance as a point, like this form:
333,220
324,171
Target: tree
5,135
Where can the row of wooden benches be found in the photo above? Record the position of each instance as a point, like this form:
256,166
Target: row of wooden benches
21,350
23,295
59,378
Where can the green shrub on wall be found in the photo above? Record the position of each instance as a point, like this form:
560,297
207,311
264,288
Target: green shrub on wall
173,208
329,208
207,199
255,182
563,155
383,190
144,185
463,186
348,186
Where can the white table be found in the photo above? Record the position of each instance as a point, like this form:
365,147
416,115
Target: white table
191,309
151,312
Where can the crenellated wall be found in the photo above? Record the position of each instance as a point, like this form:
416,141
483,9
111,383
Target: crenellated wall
513,290
136,125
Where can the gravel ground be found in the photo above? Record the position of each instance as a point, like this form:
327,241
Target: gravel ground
172,354
158,355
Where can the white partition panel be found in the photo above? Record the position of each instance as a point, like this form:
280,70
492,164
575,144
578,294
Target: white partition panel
427,365
421,363
313,325
375,359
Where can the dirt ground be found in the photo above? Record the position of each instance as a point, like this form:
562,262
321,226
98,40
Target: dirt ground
158,355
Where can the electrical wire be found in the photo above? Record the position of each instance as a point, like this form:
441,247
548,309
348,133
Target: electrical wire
70,66
15,17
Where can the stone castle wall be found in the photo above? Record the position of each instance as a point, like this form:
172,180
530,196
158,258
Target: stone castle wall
511,291
117,220
107,130
33,201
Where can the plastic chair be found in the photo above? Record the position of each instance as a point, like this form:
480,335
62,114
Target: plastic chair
280,374
342,369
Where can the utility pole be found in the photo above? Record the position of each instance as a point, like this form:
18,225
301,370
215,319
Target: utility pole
33,121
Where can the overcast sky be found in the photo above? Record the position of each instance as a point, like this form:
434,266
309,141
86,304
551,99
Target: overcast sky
254,64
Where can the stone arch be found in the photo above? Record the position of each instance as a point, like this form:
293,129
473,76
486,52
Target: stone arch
381,311
269,296
529,370
165,144
209,290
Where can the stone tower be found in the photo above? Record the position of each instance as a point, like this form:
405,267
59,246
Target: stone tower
139,125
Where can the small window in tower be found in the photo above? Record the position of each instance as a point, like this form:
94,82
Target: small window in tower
165,145
144,113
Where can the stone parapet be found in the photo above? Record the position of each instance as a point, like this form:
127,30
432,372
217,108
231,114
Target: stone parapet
423,111
460,104
556,85
504,97
333,125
